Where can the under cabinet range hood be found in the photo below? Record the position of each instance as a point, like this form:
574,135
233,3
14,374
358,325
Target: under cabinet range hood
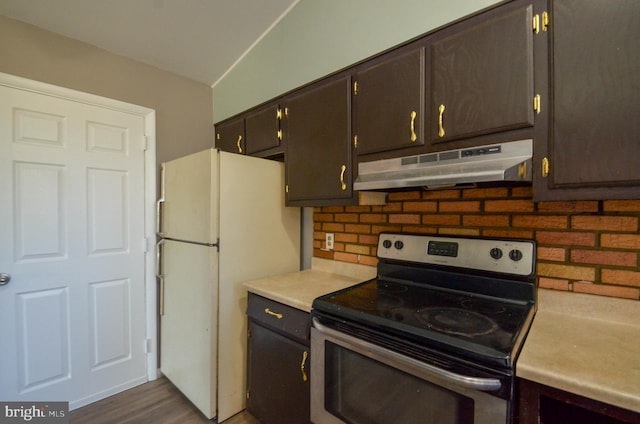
496,162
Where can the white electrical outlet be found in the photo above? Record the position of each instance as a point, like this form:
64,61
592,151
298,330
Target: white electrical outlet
328,245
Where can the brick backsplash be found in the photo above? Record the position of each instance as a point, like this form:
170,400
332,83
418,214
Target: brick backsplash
583,246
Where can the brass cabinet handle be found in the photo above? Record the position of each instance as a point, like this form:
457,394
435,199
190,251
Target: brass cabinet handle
440,126
342,171
545,167
536,24
537,105
273,314
305,355
238,143
412,125
522,170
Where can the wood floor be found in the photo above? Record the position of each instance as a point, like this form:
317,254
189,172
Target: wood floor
157,402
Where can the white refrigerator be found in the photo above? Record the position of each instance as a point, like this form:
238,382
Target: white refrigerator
222,221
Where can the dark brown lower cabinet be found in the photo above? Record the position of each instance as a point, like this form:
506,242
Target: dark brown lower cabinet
540,404
278,362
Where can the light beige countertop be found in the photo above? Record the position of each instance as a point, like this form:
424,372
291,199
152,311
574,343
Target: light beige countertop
587,345
298,289
583,344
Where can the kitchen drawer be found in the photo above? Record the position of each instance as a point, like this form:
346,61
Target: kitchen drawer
282,318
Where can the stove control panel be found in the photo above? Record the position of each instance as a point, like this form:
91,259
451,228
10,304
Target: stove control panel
442,248
497,255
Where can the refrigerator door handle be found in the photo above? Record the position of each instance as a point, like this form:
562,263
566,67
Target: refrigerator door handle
160,274
159,270
159,203
161,300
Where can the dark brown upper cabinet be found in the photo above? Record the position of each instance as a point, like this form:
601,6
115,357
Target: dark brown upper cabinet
230,135
481,72
565,73
318,132
591,147
388,102
263,130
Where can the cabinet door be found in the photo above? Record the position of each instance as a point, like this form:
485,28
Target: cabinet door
388,103
230,135
318,144
593,149
482,75
262,128
538,403
278,380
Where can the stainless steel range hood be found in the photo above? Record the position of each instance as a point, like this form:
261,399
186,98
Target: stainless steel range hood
497,162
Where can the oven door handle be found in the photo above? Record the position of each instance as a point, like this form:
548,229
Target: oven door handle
475,383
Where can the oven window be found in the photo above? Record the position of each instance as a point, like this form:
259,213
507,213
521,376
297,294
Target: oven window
364,391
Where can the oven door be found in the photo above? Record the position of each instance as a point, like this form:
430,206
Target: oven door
355,381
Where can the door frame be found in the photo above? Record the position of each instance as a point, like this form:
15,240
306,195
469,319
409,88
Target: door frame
149,116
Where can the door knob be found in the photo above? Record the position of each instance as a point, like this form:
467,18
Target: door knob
4,278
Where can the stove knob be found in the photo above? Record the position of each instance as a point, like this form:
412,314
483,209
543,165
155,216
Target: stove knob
496,253
398,244
386,244
515,255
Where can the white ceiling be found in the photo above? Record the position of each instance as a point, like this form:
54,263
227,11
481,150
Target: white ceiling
199,39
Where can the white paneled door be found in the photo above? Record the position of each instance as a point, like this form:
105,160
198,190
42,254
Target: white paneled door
72,314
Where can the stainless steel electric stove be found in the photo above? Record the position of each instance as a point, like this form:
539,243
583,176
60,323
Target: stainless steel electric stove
445,315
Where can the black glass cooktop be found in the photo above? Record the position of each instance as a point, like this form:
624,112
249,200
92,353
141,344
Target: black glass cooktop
460,322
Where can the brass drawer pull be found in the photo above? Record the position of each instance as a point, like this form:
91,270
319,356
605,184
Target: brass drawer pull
342,171
305,355
274,314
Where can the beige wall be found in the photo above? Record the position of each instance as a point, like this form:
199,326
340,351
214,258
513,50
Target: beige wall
183,107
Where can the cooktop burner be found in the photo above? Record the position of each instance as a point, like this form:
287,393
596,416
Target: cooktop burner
457,321
482,306
363,299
